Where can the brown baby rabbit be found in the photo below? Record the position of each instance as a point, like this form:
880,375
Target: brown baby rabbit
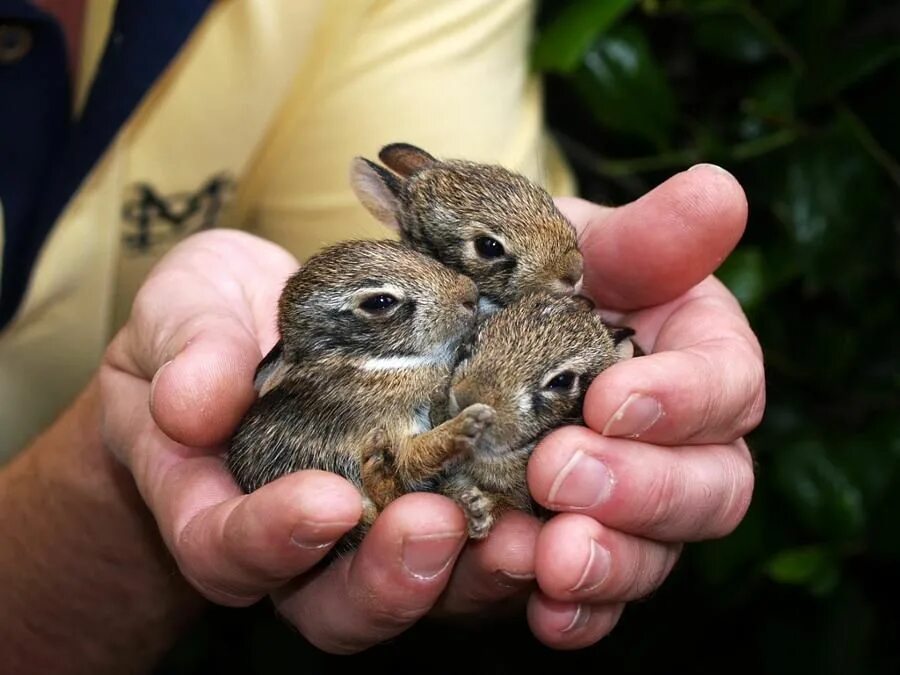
369,334
531,363
489,223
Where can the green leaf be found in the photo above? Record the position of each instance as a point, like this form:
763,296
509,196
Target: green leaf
772,98
730,36
822,494
812,566
827,193
848,68
744,275
626,89
563,42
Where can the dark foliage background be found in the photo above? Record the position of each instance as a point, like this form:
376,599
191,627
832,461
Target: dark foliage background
801,101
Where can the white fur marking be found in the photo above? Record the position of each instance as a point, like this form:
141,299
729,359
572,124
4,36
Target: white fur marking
486,306
421,420
524,402
442,355
381,363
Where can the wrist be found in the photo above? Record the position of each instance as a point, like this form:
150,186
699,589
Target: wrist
87,570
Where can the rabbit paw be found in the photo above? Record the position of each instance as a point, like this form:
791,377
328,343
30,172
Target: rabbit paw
377,453
378,472
479,510
473,421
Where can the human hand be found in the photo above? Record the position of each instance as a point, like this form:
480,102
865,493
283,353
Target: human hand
175,383
631,488
196,352
662,460
687,474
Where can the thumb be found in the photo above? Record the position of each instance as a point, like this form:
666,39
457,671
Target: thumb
198,397
654,249
198,325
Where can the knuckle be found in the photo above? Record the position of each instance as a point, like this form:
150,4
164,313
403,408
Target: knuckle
396,618
753,413
213,589
388,616
663,500
708,389
738,493
733,401
649,566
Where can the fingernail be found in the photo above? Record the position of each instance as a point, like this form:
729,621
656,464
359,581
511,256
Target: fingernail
582,483
316,535
580,617
596,569
156,377
427,556
634,417
716,167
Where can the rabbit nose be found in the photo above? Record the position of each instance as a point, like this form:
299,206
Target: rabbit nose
570,280
575,272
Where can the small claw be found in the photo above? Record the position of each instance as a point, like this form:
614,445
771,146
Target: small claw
478,510
377,458
374,462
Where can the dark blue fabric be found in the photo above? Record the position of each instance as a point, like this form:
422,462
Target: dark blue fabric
58,152
34,122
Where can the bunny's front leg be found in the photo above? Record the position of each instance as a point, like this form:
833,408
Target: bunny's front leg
481,506
391,469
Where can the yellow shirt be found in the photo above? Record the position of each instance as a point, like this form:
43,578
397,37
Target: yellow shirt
266,103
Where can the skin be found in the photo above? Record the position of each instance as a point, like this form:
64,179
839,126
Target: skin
178,377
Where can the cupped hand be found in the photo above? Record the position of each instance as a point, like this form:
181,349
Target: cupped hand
662,460
176,381
178,378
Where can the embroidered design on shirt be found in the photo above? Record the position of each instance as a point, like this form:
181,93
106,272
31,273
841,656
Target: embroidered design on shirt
159,219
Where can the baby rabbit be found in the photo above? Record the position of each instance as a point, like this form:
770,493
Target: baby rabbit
489,223
369,333
532,363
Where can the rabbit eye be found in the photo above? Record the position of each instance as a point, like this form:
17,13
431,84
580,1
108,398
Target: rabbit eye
562,381
378,303
488,247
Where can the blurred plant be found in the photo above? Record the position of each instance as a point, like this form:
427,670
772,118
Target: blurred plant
801,101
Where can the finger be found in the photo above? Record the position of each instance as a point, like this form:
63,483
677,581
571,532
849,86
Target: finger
567,625
240,549
199,397
493,571
233,548
705,383
201,348
654,249
579,560
680,494
391,581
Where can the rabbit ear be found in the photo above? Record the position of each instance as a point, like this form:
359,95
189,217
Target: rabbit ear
405,159
626,347
378,190
581,302
270,370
